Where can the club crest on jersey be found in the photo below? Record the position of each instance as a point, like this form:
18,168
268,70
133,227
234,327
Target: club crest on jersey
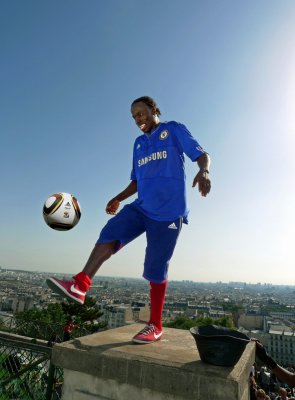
164,134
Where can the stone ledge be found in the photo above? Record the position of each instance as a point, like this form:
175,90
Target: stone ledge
170,367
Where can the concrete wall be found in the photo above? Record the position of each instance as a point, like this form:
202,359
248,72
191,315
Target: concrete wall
107,365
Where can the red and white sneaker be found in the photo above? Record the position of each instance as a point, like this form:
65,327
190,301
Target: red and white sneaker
150,333
68,289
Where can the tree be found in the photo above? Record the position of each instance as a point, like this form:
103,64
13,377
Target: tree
235,309
226,322
85,315
182,322
42,323
86,312
2,325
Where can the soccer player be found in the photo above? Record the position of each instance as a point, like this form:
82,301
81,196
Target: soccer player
158,178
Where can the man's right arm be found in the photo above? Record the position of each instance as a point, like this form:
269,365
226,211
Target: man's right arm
283,374
114,203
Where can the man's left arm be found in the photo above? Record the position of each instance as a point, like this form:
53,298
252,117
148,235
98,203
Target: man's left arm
190,146
202,177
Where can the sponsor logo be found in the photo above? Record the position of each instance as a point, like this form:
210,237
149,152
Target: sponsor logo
74,290
158,155
138,146
157,336
164,135
172,226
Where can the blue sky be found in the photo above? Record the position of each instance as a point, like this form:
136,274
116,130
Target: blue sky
69,72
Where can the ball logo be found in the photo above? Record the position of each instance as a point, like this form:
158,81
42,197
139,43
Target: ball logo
66,214
164,135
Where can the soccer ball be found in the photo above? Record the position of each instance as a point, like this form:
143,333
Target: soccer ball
61,211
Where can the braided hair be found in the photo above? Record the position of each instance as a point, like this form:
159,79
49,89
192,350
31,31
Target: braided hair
149,102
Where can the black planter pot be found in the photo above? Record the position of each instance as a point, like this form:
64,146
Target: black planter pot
218,345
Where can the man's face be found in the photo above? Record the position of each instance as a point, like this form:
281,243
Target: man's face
145,118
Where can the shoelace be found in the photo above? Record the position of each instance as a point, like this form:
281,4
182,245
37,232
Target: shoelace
148,329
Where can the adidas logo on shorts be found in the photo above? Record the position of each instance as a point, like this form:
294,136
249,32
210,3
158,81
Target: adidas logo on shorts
172,226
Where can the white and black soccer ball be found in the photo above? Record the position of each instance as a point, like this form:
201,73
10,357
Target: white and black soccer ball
61,211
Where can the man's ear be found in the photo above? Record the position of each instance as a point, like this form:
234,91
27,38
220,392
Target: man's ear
154,111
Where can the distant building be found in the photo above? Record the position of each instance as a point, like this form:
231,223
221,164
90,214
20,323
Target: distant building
279,342
120,315
281,314
16,304
252,321
216,314
115,316
281,346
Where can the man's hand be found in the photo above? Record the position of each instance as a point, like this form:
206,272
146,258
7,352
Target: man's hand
112,206
203,182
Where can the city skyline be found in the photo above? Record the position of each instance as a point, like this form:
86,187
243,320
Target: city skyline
139,279
70,71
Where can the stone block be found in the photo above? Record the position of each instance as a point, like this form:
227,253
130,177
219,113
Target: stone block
107,365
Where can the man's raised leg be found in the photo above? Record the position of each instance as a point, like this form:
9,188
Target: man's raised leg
76,288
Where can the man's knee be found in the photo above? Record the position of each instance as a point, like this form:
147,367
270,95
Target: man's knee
105,250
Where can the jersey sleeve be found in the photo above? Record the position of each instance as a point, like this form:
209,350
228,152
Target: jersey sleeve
133,174
188,144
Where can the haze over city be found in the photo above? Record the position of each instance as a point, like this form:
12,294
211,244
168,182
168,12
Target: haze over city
70,71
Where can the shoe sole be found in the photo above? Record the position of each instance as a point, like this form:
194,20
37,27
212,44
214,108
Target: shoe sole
56,288
138,341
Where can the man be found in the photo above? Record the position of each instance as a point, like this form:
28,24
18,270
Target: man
68,328
158,178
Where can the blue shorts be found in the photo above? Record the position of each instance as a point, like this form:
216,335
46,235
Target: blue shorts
162,236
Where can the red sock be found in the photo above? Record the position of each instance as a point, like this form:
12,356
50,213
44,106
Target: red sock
157,297
83,281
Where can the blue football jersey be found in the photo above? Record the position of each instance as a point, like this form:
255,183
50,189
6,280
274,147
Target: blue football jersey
158,168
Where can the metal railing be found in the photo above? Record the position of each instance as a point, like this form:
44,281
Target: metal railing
27,373
42,330
26,370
